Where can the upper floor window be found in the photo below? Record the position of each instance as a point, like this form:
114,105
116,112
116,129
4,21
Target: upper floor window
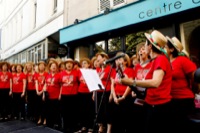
110,4
0,38
55,5
35,14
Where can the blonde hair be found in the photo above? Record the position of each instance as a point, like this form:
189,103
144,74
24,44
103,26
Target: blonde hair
94,58
25,67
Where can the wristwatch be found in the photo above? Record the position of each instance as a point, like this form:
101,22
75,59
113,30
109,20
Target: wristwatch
134,83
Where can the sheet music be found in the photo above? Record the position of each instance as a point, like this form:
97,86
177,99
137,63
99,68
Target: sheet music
92,79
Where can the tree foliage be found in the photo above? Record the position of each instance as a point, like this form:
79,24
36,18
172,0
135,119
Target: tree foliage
131,41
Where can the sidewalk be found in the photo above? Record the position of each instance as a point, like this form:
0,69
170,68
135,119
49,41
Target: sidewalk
26,126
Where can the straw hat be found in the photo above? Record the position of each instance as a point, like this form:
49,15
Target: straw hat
69,60
85,59
176,43
157,39
102,54
52,62
186,53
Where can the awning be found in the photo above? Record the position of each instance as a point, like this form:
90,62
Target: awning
130,14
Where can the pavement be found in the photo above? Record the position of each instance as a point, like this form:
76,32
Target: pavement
26,126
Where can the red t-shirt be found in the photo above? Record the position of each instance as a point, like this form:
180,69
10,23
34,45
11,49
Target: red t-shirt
103,75
69,82
120,88
83,88
161,94
41,80
141,72
30,81
5,80
53,85
17,82
181,67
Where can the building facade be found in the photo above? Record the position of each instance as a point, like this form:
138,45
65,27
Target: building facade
29,29
102,24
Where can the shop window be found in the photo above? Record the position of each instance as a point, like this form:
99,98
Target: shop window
109,4
114,44
23,57
31,55
38,53
43,51
15,59
100,46
132,40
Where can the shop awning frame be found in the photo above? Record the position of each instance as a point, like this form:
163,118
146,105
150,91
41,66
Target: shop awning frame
129,14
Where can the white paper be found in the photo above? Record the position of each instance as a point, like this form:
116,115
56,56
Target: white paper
92,79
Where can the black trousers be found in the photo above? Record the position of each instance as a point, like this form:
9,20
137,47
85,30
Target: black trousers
69,109
18,105
158,118
41,107
5,102
31,103
53,112
86,110
182,108
122,116
103,108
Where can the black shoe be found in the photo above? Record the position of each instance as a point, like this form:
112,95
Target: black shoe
6,118
56,126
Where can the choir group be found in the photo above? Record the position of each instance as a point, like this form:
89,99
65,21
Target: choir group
149,92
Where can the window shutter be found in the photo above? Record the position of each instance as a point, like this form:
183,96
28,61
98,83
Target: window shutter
118,2
104,4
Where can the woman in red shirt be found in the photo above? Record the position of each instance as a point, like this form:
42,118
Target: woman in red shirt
68,96
122,109
86,104
141,70
31,92
5,90
39,84
52,86
158,83
102,105
182,77
18,90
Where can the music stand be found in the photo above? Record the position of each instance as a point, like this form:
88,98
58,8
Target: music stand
92,79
